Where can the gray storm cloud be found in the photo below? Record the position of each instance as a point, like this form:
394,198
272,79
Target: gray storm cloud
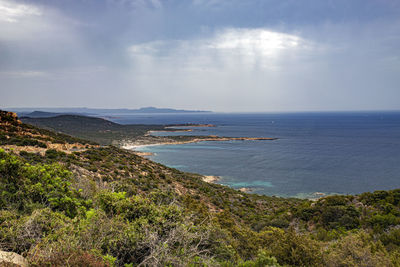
139,53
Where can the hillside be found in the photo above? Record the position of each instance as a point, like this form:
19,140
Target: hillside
105,206
96,129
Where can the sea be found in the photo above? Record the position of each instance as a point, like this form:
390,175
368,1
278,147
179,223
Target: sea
315,154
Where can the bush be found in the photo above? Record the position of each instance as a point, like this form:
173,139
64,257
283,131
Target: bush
291,248
23,186
20,233
262,260
380,222
62,258
356,250
333,212
391,239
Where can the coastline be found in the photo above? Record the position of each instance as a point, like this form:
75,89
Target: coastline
191,139
150,140
168,131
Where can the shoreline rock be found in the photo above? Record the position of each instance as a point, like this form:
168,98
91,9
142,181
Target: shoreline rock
245,190
210,178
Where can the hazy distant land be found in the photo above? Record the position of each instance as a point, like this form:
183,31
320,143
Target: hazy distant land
51,112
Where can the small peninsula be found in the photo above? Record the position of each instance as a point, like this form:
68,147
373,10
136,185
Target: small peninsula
130,136
184,139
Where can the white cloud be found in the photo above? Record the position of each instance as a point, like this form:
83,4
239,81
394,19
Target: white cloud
13,12
256,42
259,69
38,38
24,23
229,48
217,69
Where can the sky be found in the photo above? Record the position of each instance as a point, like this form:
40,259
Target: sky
220,55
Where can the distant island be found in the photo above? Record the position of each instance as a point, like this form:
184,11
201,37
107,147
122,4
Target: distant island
52,112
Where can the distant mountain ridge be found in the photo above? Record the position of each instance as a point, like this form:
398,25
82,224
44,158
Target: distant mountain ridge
98,111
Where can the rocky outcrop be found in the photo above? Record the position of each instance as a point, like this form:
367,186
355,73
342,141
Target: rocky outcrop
11,259
210,178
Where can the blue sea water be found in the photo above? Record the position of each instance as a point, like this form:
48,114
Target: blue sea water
331,153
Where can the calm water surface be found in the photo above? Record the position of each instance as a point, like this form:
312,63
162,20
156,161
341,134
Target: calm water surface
344,153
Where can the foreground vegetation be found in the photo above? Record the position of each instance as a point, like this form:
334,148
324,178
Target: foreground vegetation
104,206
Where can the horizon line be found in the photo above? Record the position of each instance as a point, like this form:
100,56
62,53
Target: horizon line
210,111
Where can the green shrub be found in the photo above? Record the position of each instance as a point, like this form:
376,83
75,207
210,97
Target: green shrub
380,222
356,250
20,233
262,260
291,248
23,185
